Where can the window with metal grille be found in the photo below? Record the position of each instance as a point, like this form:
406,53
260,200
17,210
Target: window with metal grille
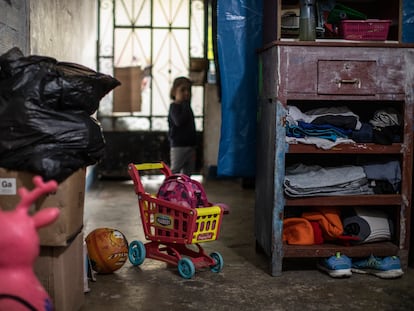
156,39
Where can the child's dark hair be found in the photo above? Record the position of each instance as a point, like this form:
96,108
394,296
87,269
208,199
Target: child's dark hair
178,82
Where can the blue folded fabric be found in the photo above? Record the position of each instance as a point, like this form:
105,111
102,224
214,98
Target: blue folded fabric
325,131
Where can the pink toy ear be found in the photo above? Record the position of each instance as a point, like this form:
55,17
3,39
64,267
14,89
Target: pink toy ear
27,198
45,216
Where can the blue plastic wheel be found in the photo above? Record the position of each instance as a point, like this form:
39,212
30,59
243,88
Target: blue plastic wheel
219,262
186,268
136,252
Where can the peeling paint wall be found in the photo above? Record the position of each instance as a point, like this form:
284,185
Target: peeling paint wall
65,30
14,25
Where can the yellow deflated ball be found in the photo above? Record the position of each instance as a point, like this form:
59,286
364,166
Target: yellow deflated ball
107,249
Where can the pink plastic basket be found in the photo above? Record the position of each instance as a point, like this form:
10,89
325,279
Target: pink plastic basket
370,29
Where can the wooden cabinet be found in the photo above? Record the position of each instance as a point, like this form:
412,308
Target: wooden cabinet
365,76
377,78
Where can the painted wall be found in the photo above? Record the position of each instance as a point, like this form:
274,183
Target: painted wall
65,30
212,123
14,25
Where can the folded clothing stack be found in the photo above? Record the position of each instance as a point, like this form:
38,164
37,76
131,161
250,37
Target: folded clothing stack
313,180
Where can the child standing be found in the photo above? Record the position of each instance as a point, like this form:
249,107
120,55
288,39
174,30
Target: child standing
182,132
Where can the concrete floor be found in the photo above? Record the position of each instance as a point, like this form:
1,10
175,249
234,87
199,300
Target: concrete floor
243,284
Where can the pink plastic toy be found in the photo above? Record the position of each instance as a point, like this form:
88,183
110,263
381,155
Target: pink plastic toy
19,244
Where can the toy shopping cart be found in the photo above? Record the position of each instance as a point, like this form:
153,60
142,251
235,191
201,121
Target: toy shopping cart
174,231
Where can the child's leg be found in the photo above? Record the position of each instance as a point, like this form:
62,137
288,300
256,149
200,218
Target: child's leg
190,161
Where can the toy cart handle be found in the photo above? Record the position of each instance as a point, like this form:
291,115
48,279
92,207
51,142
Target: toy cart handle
133,170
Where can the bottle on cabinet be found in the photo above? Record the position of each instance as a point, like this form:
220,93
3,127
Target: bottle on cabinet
307,24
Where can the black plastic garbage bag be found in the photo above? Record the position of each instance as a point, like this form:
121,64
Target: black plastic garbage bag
58,85
45,108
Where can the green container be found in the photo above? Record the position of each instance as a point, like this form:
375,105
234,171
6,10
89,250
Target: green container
340,12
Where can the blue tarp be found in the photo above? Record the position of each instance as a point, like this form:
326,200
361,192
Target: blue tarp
239,35
408,21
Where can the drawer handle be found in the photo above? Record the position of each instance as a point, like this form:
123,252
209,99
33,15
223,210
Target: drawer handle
355,81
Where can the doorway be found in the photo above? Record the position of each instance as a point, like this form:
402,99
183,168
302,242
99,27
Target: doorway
163,39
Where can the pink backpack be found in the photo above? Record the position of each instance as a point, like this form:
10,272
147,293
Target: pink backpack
182,190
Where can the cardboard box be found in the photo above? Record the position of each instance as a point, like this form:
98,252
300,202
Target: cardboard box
60,269
198,77
69,198
127,96
198,64
198,70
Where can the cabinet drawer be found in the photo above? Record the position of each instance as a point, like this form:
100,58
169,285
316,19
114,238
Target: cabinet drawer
347,77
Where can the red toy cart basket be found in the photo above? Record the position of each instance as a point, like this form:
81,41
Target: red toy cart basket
171,228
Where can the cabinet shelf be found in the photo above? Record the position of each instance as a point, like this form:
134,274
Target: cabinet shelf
304,75
366,76
347,200
288,29
326,250
362,148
